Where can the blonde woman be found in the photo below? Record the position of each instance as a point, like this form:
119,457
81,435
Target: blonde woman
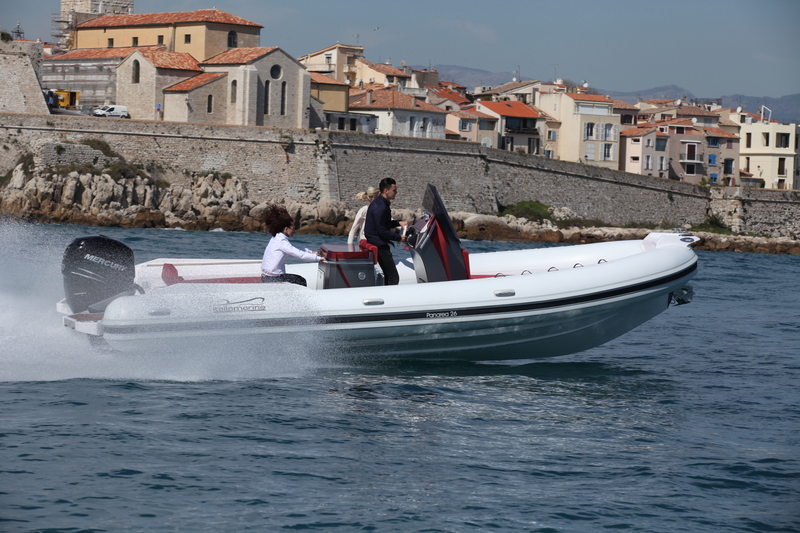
361,216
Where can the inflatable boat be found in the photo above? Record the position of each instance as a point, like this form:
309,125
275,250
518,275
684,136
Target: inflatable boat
450,304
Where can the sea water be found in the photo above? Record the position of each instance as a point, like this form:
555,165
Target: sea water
690,422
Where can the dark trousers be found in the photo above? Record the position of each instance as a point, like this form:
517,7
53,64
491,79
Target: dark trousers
287,278
386,261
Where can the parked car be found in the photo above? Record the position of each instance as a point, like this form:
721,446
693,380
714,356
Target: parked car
119,111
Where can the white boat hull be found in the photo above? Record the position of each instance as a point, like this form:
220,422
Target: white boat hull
543,303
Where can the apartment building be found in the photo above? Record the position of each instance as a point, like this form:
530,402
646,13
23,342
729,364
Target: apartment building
519,127
587,129
768,149
400,114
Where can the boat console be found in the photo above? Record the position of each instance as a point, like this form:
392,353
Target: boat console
435,247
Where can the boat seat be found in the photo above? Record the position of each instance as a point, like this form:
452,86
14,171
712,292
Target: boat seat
169,275
371,248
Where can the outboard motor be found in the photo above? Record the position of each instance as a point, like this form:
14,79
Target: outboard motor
97,270
435,246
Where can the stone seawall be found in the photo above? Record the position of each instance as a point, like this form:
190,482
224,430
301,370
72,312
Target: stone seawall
313,168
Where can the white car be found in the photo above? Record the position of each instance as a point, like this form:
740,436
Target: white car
119,111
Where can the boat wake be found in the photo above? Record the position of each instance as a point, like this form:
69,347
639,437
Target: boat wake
34,346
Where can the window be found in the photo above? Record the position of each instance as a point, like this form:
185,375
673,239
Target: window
648,162
680,130
765,138
329,59
728,166
111,43
187,39
341,124
783,140
626,119
135,41
691,169
588,130
635,158
589,151
712,159
233,91
714,177
748,140
266,97
275,72
648,142
135,68
662,163
353,124
661,145
210,104
549,154
465,125
232,39
608,152
551,135
781,166
636,140
283,98
713,141
160,39
729,144
747,164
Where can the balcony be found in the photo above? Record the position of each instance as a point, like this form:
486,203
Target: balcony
521,131
686,157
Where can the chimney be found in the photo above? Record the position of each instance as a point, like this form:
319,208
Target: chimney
369,97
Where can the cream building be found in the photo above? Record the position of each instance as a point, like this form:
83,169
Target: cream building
337,61
202,34
768,149
588,129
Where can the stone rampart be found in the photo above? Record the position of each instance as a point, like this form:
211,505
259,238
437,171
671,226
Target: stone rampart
309,166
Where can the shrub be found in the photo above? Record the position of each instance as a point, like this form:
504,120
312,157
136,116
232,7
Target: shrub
101,146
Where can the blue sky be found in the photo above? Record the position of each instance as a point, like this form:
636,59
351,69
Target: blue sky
709,47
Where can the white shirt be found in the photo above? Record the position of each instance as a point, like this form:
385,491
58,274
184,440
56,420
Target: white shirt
274,261
358,225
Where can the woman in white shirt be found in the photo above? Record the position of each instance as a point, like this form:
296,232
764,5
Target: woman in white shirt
273,264
361,216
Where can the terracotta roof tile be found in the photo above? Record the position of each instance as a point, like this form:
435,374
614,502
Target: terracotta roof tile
510,86
621,104
318,77
589,98
171,60
239,56
694,111
387,70
444,92
637,132
195,82
158,19
473,113
389,98
716,132
512,109
101,53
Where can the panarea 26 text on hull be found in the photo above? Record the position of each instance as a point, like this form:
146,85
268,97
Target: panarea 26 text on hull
521,304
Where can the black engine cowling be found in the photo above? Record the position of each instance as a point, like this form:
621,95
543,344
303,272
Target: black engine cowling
96,270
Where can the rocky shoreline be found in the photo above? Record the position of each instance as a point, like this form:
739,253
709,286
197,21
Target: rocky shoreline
218,201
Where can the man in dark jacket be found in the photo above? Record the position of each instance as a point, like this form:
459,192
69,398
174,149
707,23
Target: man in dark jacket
378,229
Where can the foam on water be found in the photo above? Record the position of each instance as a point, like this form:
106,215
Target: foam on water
36,347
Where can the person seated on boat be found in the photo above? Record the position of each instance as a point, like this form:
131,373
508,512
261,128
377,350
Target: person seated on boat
361,215
273,265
